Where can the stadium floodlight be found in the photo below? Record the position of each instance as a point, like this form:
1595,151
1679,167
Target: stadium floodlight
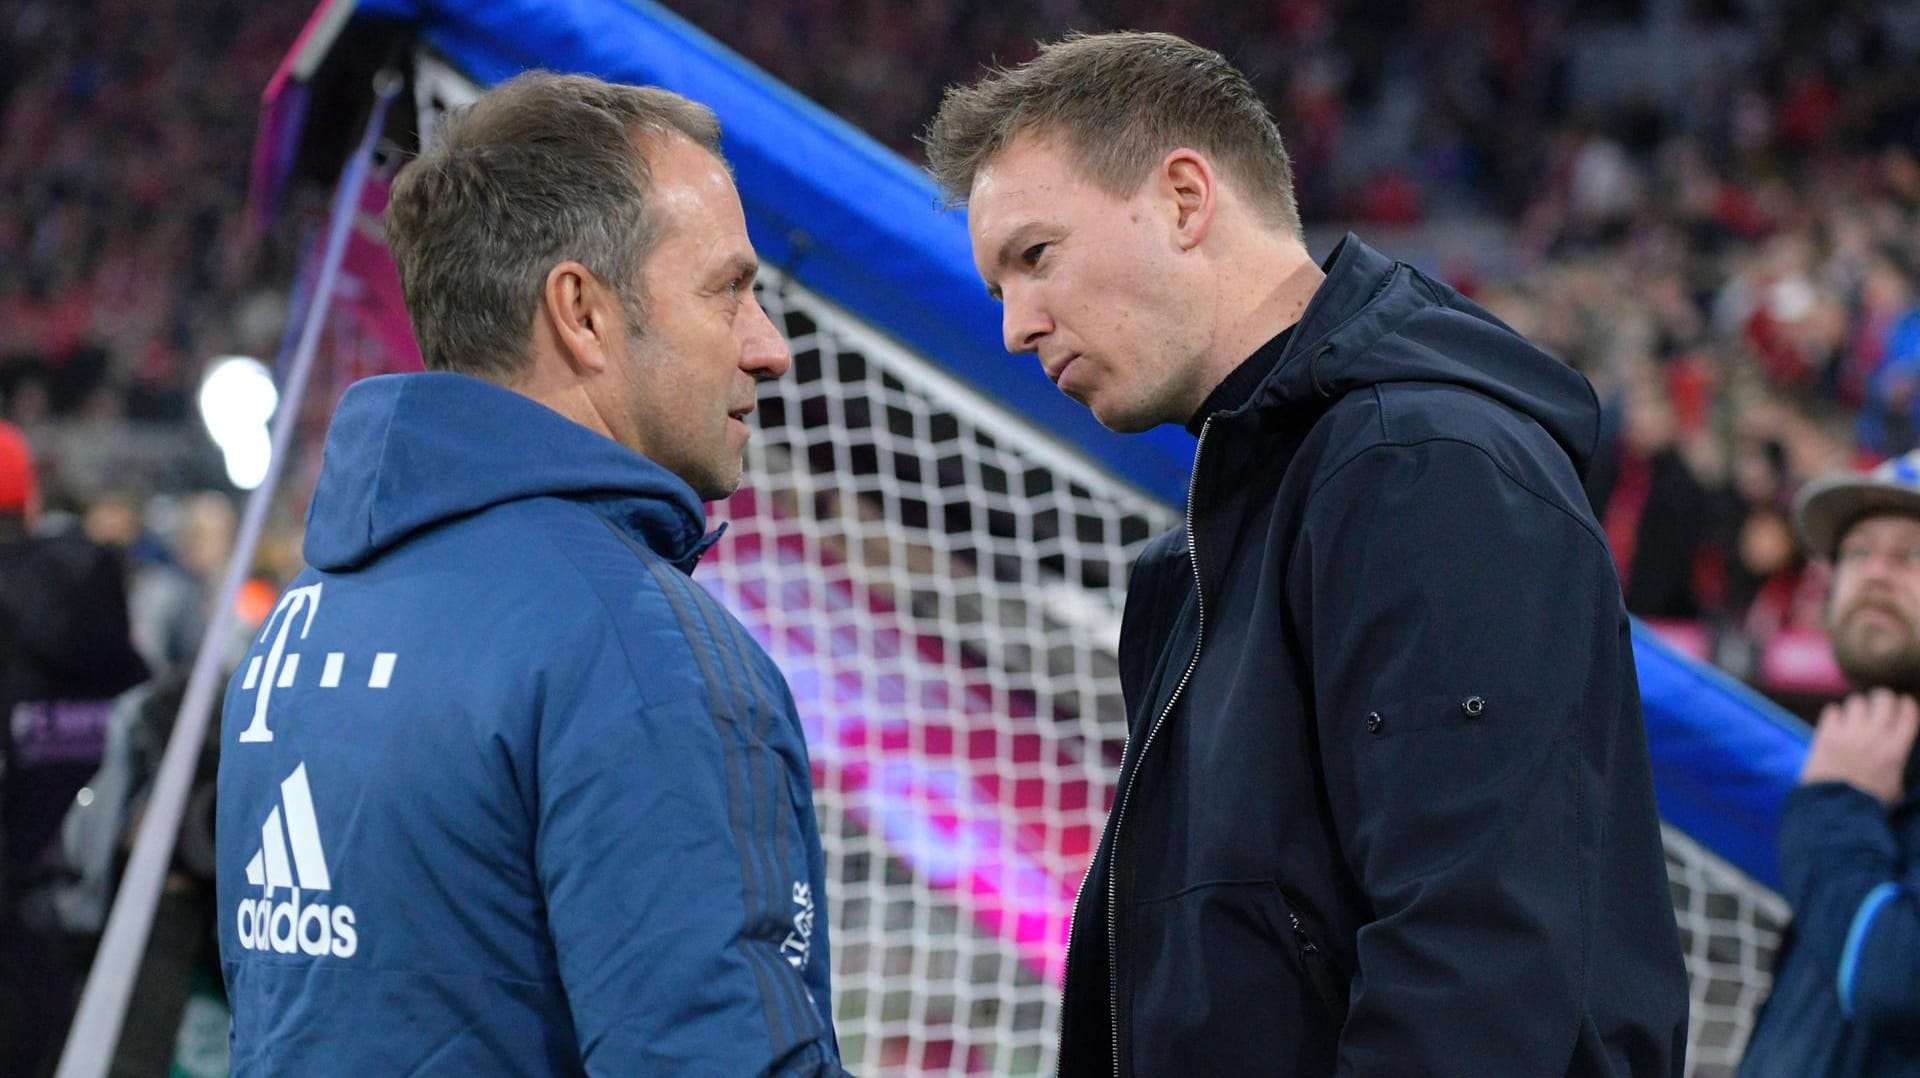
237,399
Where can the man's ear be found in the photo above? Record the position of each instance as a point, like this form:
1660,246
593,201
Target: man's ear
583,315
1187,182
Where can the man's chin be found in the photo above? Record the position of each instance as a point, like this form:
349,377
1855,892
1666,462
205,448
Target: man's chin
718,490
714,484
1121,420
1865,667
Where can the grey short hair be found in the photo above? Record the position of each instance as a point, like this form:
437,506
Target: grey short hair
540,169
1119,103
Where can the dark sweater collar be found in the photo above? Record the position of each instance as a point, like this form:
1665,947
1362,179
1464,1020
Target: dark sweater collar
1238,387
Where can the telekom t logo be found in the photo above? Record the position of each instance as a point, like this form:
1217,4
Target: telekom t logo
282,666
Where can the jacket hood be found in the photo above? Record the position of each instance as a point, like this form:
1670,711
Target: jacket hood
406,452
1375,321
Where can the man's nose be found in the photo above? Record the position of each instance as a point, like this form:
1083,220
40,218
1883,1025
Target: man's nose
763,351
1022,321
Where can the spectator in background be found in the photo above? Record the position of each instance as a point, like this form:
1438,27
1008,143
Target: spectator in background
171,575
64,656
1653,508
1891,417
1762,559
200,544
1845,998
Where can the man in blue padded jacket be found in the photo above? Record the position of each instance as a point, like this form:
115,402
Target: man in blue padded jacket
502,791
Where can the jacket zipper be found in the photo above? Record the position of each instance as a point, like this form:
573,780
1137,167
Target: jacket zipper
1299,933
1310,960
1066,970
1120,806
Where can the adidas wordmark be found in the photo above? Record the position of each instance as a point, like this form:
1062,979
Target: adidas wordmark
291,858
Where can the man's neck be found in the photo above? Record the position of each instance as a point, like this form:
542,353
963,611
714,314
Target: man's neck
548,380
1263,293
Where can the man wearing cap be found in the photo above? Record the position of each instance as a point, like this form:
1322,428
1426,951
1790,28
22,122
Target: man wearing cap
1846,996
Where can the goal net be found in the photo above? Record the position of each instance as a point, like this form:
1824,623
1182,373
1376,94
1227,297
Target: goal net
942,587
1730,930
942,584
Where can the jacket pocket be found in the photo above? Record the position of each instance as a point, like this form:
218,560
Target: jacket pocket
1421,758
1464,710
1216,980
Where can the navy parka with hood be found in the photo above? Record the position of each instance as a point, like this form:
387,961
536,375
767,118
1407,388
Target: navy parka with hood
550,801
1386,806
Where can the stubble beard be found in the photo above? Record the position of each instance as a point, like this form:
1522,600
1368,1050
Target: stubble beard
1870,660
714,479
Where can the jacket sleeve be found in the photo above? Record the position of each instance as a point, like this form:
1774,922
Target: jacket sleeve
1856,907
1458,622
645,853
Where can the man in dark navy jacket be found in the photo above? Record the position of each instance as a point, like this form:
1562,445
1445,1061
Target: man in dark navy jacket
1386,806
1846,991
502,790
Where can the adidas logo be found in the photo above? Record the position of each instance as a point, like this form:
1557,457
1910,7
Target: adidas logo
290,858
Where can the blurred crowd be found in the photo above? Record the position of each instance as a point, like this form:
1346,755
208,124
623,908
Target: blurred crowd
1731,255
1730,251
126,129
1725,239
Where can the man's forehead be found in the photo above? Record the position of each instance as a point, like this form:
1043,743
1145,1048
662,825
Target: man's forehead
1881,524
1026,162
994,225
695,200
1021,189
682,173
995,204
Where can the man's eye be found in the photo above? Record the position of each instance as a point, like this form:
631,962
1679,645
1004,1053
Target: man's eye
1031,256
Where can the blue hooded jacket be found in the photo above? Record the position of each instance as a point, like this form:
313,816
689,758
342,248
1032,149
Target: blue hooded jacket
502,790
1845,999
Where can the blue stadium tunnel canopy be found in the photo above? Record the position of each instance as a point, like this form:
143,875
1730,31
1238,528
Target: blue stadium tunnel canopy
825,203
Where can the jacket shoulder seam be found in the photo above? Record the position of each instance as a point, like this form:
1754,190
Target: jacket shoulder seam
1417,443
647,700
379,477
